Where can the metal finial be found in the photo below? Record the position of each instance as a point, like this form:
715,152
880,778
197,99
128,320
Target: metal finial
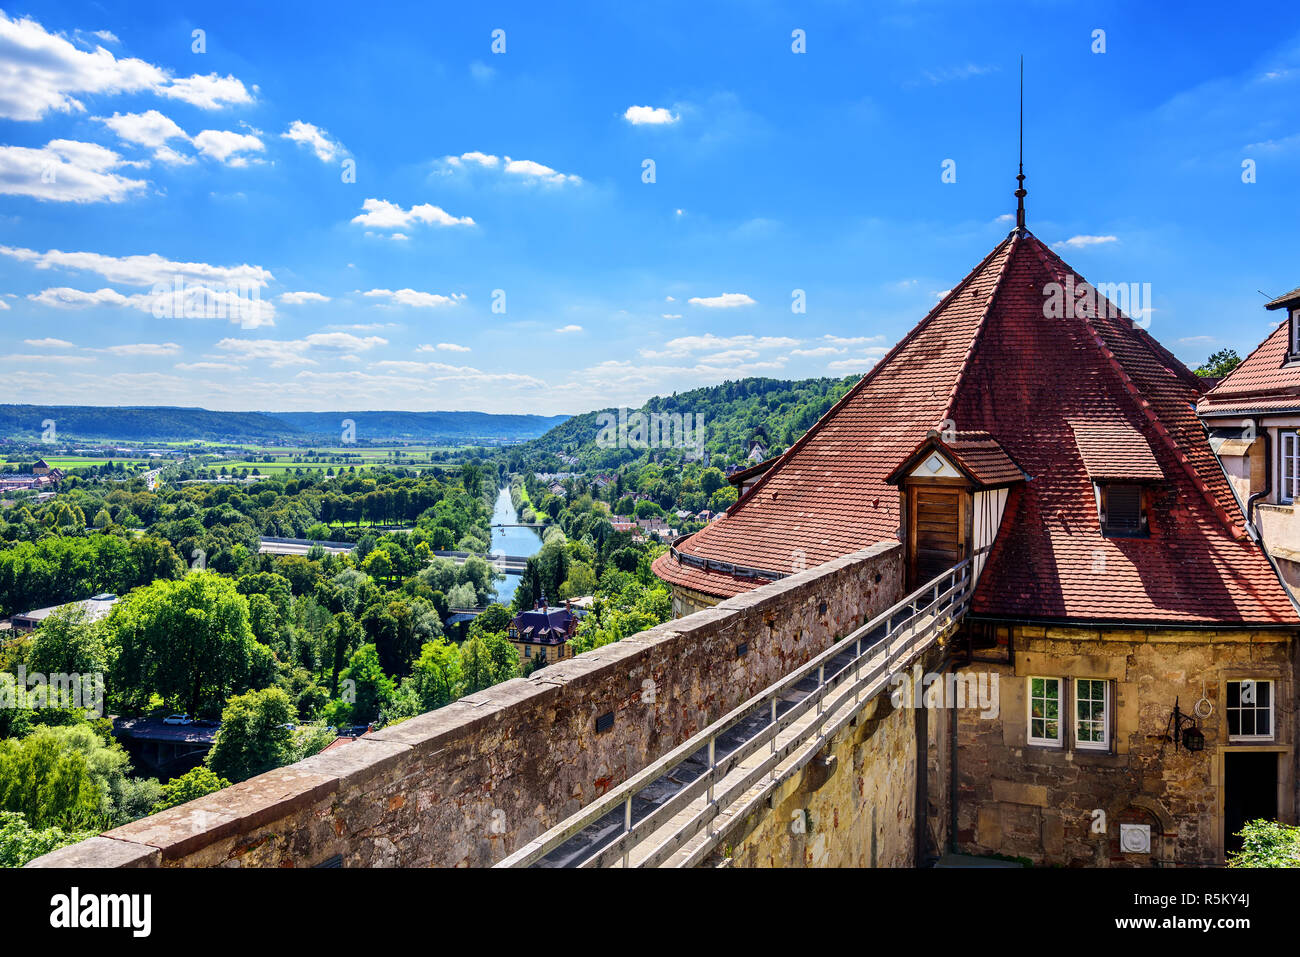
1020,178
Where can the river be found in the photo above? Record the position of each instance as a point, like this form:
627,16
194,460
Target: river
511,541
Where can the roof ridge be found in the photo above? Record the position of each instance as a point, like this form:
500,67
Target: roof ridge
1262,343
1178,367
1157,424
979,328
751,495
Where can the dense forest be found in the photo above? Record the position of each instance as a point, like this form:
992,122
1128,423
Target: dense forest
775,411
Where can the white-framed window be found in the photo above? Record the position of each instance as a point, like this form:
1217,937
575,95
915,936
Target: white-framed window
1288,467
1295,332
1092,713
1249,709
1045,711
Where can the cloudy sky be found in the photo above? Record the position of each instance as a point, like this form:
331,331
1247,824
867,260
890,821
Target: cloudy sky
505,209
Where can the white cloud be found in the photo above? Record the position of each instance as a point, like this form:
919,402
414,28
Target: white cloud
46,357
727,300
650,116
226,146
208,367
209,92
1081,242
851,365
851,340
50,343
443,347
383,215
143,349
140,270
286,352
43,72
569,328
306,134
817,352
964,72
151,128
410,297
672,315
62,297
298,298
65,171
720,345
526,170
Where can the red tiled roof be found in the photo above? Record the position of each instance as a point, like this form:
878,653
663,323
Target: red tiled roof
1113,449
987,359
1262,382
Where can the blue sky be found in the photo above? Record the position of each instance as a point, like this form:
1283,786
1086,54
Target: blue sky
128,159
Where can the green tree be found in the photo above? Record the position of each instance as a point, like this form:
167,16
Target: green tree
21,843
187,641
192,784
436,676
366,684
1220,364
255,736
1267,844
68,643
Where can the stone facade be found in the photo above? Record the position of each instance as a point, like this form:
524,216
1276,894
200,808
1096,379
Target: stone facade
469,783
1039,802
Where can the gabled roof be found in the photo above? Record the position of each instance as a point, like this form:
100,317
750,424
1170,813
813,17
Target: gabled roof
988,359
1286,299
737,478
1263,381
1112,449
977,455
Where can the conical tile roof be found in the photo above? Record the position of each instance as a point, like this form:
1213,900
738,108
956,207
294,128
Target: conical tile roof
991,358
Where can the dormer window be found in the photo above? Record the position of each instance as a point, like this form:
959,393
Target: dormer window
1123,510
1295,334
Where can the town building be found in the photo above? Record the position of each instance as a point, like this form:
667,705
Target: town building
1141,642
542,634
1253,415
41,477
95,608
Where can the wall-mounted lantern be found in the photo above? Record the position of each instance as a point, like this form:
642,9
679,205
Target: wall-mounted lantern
1184,729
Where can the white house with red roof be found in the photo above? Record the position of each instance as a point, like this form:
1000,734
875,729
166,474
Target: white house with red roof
1253,415
1141,638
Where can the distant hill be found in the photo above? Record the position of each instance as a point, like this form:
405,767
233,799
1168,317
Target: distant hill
426,427
777,411
146,424
174,424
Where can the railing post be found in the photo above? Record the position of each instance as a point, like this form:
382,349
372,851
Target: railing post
712,765
773,775
821,688
627,829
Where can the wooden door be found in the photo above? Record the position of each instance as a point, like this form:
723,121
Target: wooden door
937,531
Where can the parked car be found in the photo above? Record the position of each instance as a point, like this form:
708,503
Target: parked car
177,719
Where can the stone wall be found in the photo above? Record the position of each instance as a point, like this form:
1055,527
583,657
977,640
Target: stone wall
1039,803
469,783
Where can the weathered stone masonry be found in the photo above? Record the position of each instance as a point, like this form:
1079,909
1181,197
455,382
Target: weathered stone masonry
469,783
1036,802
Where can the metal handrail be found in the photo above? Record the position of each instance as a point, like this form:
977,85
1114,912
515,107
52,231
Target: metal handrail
953,586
